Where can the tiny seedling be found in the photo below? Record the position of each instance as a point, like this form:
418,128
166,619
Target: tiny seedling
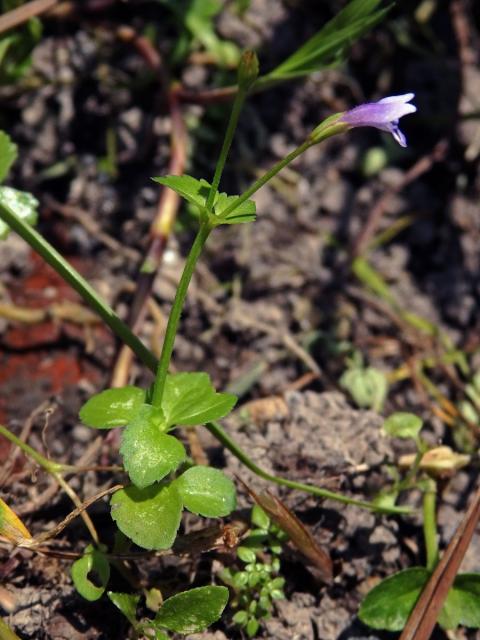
257,584
188,612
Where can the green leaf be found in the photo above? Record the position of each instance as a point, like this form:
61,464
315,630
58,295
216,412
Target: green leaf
246,555
148,453
403,425
240,618
192,611
462,605
328,46
196,192
189,188
190,399
245,212
388,605
127,603
197,16
259,518
23,205
8,154
206,491
92,562
367,386
252,627
150,517
112,407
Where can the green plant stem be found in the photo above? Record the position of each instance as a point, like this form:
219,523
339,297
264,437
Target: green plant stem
258,184
430,524
218,432
45,463
227,142
77,282
176,312
55,469
119,328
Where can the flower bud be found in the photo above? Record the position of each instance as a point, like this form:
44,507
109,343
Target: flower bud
440,462
247,70
328,128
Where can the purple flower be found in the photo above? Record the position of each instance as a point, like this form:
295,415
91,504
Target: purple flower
383,115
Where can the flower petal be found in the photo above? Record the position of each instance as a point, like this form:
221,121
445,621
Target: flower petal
405,97
384,114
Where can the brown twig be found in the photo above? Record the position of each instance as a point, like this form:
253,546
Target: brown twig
20,15
424,164
424,616
209,96
79,511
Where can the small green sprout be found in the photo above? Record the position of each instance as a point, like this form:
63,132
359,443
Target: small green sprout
367,386
258,583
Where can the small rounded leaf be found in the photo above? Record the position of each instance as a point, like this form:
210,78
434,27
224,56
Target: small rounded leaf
252,627
206,491
90,574
388,605
190,399
246,555
150,517
259,518
240,617
462,603
148,453
402,425
192,611
127,603
112,407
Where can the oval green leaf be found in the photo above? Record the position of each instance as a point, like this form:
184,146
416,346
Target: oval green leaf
206,491
127,603
148,453
190,399
462,605
388,605
91,587
192,611
112,407
150,517
403,425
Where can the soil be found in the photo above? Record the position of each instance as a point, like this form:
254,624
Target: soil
274,308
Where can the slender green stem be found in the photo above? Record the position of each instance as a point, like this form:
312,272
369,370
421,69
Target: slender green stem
227,142
45,463
218,432
55,469
176,312
258,184
119,328
430,524
77,282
